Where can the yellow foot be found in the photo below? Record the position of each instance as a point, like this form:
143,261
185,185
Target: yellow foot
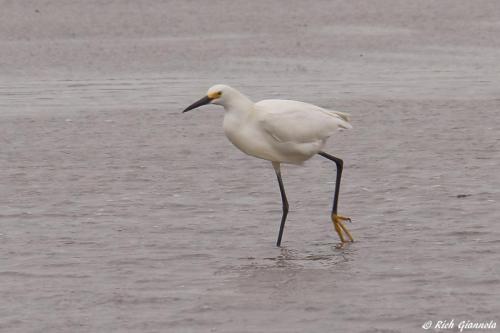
340,228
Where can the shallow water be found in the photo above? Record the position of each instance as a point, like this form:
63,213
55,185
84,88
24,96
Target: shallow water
118,213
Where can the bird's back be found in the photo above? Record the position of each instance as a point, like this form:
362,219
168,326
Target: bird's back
294,121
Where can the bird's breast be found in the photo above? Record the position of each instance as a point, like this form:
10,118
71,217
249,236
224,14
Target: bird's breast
247,137
238,133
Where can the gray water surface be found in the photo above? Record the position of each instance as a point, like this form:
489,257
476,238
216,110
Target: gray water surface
120,214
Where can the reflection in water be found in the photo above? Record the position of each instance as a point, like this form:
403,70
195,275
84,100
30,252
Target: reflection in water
293,274
322,255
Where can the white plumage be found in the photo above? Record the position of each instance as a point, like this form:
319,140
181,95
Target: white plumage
277,130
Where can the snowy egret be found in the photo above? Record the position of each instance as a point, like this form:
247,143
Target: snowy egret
280,131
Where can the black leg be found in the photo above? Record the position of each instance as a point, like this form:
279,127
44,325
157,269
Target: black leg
283,200
340,166
337,219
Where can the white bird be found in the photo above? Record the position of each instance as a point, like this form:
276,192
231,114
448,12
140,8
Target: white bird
280,131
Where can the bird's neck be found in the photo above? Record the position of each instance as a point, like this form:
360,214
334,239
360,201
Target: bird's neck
241,105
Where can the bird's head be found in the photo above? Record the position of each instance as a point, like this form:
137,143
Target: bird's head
219,94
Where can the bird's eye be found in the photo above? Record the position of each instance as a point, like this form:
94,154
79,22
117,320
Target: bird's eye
219,93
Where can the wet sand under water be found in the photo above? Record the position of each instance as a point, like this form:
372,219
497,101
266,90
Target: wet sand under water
120,214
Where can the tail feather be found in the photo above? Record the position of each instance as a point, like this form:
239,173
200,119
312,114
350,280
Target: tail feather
344,117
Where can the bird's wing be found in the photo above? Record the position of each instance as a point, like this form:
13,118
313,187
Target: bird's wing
293,121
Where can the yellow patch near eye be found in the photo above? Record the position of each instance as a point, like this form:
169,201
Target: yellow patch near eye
214,95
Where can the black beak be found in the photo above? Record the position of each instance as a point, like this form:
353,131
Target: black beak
203,101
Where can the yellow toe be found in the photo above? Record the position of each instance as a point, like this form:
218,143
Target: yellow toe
340,228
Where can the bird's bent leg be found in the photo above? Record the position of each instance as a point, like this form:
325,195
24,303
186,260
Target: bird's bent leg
338,220
277,169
